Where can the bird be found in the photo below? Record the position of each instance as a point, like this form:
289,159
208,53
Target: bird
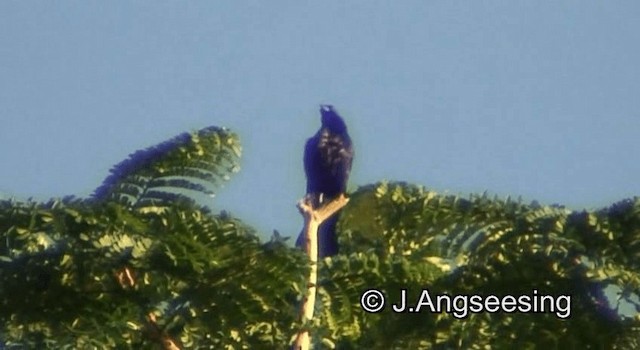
328,156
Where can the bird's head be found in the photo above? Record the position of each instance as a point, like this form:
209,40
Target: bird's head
331,119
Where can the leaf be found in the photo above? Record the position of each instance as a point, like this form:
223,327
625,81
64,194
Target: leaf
173,171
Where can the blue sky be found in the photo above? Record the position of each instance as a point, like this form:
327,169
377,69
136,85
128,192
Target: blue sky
532,99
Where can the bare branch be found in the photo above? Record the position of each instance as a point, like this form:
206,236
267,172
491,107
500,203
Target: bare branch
126,279
313,218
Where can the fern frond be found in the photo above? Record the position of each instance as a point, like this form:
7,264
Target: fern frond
174,170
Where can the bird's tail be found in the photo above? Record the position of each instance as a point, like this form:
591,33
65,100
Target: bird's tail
327,237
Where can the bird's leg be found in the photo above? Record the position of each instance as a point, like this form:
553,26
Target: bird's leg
309,199
315,200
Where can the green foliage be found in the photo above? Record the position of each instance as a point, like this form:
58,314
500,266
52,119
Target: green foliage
79,274
141,260
195,271
188,164
503,247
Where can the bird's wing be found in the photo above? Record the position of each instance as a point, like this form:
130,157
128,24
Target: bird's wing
311,159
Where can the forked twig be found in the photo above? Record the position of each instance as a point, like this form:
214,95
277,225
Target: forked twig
126,279
313,218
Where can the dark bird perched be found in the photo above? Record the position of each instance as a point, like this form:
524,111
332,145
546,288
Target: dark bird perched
327,163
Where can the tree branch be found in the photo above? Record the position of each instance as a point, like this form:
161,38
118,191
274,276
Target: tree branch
313,218
126,279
